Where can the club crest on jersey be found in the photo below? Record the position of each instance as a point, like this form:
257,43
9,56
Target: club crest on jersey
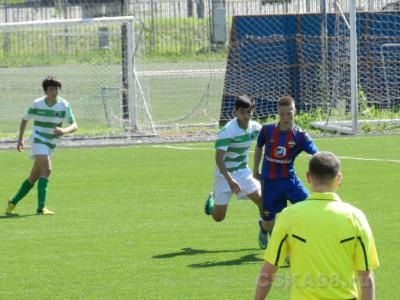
291,144
57,114
280,151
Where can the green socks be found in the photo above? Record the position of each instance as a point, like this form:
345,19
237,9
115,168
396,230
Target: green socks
211,205
42,190
23,190
27,186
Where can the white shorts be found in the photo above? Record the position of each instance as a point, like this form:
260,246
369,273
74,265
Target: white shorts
223,193
39,149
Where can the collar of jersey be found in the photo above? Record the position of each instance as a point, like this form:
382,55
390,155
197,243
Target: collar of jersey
237,124
45,101
324,196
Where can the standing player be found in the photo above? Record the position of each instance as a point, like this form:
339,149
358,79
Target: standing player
232,173
282,142
48,114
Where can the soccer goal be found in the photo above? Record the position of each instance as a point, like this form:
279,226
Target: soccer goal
365,69
345,73
97,60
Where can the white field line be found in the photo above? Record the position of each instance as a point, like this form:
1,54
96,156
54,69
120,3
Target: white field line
370,159
182,148
341,157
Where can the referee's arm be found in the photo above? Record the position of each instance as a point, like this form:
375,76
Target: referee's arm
264,280
275,255
366,257
367,285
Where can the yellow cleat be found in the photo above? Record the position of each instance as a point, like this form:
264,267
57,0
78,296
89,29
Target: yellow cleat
10,208
45,211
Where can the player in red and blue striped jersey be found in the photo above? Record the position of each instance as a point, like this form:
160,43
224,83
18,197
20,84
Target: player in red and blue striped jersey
282,142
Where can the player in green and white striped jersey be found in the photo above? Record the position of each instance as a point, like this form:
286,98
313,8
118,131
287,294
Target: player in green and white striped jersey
48,113
232,173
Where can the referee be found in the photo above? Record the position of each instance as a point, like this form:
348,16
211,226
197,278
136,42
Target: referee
329,242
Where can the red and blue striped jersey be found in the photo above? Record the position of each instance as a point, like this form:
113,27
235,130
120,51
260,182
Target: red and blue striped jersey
281,149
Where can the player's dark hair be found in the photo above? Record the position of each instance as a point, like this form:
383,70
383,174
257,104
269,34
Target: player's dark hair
286,101
324,166
243,101
50,81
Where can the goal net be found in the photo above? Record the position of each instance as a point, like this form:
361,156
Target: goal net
185,94
275,55
97,61
377,65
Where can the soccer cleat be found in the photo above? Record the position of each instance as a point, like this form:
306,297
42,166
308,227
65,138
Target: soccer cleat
10,210
44,211
209,205
262,236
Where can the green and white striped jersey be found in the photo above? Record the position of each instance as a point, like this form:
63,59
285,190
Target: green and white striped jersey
236,142
46,118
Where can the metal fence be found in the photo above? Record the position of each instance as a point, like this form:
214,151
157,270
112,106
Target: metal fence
171,26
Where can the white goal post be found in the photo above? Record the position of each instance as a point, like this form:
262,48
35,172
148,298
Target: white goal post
372,70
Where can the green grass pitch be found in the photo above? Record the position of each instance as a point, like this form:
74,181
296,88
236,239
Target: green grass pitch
130,224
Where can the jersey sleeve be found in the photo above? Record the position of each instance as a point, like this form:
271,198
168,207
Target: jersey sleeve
261,137
224,139
30,113
365,256
308,144
258,126
69,115
278,246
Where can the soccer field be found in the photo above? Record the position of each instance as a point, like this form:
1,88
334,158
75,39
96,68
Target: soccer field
130,223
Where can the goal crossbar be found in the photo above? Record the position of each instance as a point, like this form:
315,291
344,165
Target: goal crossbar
70,21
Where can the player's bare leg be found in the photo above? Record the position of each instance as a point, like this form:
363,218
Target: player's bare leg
35,172
256,198
219,212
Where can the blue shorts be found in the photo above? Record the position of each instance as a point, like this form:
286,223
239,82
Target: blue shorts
276,192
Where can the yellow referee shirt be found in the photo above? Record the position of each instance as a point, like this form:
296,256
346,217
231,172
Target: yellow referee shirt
328,242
